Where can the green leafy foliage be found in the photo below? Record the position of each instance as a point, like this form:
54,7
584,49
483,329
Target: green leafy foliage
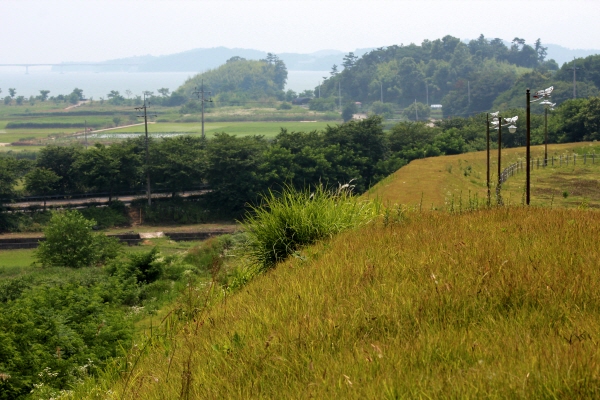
348,111
70,242
59,327
417,111
239,80
107,217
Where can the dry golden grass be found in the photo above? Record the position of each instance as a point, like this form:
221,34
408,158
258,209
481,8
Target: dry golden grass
431,182
499,303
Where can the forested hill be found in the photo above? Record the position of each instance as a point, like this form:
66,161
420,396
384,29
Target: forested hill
464,77
240,80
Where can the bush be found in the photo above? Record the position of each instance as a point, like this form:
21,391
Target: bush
349,110
322,104
107,217
286,222
284,106
384,109
70,242
174,210
144,267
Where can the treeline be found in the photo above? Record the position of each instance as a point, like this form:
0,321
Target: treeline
464,78
239,169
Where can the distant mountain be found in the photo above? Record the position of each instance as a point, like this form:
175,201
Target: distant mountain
199,60
562,54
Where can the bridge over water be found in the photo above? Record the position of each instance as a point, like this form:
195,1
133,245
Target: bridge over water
66,65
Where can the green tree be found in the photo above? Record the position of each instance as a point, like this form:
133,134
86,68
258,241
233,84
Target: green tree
417,111
20,100
384,109
232,171
307,93
349,60
60,159
12,92
177,163
322,104
348,111
99,168
41,182
70,242
114,97
290,95
164,92
334,70
78,93
44,95
11,170
7,100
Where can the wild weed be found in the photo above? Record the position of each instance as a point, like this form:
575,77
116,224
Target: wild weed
286,221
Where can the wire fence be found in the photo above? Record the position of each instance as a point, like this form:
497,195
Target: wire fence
560,160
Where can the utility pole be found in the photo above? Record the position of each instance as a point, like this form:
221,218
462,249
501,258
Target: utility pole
85,132
574,69
340,93
144,107
200,94
499,156
416,111
528,152
489,198
469,94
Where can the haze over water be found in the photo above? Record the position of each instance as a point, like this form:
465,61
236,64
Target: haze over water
98,85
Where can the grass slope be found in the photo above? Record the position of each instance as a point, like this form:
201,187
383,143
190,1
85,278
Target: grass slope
499,303
437,181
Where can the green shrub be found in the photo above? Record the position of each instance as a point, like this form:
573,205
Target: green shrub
107,217
70,242
284,106
175,210
144,267
286,222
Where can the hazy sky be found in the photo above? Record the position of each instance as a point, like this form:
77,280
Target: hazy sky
89,30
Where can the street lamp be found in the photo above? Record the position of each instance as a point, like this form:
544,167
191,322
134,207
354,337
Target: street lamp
496,123
548,105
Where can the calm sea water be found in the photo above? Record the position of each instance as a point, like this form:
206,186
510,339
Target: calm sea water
98,85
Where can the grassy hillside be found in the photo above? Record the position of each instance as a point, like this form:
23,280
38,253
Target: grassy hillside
437,181
498,303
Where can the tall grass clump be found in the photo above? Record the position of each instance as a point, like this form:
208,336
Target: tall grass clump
286,221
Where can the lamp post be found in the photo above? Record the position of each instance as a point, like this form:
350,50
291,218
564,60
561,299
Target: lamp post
489,194
496,123
548,105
